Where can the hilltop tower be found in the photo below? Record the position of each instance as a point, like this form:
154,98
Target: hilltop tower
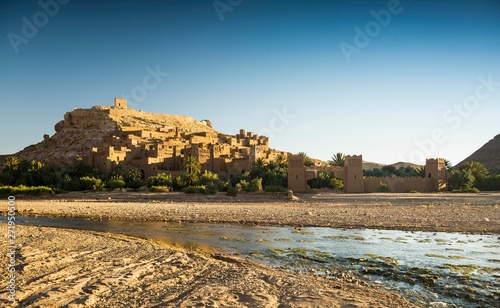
120,103
353,182
436,170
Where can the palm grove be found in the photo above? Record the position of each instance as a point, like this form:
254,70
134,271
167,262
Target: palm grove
33,177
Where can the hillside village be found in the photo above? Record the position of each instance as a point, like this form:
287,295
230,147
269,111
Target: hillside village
111,138
155,143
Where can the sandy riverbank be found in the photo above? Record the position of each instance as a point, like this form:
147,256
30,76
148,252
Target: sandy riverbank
475,213
69,268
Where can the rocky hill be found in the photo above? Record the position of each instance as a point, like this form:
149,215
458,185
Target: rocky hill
488,154
83,129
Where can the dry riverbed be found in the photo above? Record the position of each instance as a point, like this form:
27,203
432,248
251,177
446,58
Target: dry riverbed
475,213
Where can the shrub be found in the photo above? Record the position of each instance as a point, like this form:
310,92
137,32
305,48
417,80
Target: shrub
383,188
336,183
69,183
161,179
208,177
116,181
135,184
159,189
232,191
243,184
180,182
276,188
91,183
254,185
210,189
21,189
194,189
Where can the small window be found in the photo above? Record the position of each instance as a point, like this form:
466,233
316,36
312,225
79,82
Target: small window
354,176
429,174
297,176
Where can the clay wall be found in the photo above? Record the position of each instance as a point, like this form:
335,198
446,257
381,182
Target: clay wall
399,184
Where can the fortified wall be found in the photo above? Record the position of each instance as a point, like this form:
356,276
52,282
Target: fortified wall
352,175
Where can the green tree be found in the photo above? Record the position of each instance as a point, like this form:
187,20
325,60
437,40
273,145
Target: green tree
134,179
420,172
338,159
161,179
447,165
477,169
307,160
12,162
281,161
462,179
192,167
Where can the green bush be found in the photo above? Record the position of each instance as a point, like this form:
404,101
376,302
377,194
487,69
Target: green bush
91,183
116,182
383,188
161,179
211,189
194,189
208,177
243,184
336,184
25,190
232,191
69,183
254,185
135,184
159,189
276,188
473,190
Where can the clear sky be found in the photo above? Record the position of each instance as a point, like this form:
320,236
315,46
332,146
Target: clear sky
392,80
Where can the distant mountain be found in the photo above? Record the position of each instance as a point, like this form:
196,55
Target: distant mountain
371,165
488,154
368,165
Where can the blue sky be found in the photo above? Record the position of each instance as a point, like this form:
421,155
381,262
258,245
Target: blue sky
420,71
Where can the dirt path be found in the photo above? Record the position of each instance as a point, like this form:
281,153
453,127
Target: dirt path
69,268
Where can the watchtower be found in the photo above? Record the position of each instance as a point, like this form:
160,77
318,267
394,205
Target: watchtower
436,170
353,182
296,173
120,103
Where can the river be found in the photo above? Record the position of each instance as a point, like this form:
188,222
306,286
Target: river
454,268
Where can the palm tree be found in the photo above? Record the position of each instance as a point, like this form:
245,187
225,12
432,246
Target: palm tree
259,164
420,172
281,160
192,167
307,160
447,165
338,159
271,165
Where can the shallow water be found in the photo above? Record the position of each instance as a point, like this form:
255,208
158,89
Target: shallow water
455,268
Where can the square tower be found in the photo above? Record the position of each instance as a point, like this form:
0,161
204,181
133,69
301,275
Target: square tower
354,182
120,103
435,169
